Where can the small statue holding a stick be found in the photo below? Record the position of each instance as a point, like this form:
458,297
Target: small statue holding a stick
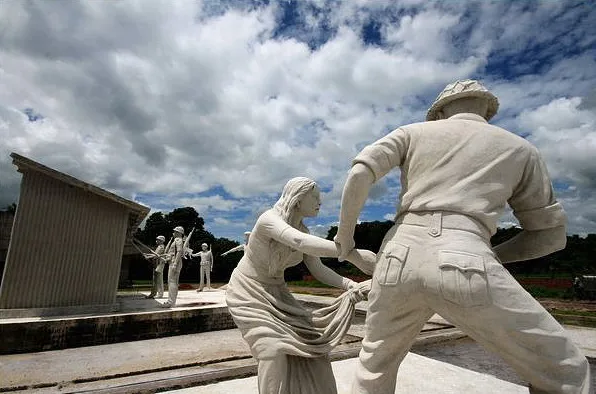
158,259
206,266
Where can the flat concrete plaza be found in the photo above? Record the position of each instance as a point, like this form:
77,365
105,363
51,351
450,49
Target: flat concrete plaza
443,360
417,374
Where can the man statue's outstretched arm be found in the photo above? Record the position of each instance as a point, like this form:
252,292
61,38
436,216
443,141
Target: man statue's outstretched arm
532,244
542,218
360,180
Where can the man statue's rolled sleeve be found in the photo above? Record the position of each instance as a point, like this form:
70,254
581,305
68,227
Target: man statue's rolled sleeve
385,154
533,202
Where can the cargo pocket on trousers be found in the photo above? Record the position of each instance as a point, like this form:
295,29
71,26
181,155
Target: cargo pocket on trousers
463,278
391,263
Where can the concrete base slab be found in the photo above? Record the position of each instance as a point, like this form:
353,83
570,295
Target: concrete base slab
585,338
137,318
417,374
104,362
58,311
157,364
203,358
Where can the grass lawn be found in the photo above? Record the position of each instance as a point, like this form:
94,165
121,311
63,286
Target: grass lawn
556,301
575,318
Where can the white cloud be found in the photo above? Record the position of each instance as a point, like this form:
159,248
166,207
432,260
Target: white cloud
167,101
566,136
389,216
565,133
423,35
320,230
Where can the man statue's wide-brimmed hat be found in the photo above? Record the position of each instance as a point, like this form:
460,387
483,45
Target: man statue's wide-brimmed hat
179,229
462,89
161,238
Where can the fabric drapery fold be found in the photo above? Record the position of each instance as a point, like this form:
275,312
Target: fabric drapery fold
275,325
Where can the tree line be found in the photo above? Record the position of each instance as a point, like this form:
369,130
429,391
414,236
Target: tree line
579,257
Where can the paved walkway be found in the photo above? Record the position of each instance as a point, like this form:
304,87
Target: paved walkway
187,360
417,374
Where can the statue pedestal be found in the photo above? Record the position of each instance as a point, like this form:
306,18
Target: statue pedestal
132,318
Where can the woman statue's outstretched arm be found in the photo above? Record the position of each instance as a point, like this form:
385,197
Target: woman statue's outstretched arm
274,227
325,274
311,245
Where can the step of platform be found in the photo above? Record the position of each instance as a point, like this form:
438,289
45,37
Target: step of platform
136,318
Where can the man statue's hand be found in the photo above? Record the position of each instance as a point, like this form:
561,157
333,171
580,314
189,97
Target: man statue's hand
345,244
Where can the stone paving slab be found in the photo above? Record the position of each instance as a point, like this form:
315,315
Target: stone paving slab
135,302
417,374
137,319
104,361
183,360
122,360
585,338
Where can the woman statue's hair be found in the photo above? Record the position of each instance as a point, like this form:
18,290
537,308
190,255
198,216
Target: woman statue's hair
293,191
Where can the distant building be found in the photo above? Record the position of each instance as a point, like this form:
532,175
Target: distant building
67,243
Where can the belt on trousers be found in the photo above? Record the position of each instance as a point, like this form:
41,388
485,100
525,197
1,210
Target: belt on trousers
436,221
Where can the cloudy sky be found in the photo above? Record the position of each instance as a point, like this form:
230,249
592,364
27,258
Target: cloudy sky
216,104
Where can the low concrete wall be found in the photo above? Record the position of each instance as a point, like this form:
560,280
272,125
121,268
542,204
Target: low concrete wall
52,334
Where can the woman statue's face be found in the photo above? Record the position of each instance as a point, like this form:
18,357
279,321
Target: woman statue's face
311,202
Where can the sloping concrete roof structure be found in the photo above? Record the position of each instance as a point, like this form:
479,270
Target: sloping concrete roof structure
67,242
137,211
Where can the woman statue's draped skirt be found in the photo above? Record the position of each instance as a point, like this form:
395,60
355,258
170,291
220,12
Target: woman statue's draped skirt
290,343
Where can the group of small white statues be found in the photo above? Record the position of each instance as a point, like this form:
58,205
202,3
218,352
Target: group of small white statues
173,255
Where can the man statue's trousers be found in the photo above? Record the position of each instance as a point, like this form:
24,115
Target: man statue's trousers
440,263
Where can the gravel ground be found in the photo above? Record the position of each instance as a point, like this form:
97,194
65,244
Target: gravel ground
568,305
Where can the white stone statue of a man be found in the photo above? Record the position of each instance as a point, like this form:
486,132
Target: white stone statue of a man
457,174
206,266
175,253
158,257
239,247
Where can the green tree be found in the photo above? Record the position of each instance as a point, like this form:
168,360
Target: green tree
186,217
224,265
367,235
155,225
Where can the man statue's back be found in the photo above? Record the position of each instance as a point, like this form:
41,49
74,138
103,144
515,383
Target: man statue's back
457,174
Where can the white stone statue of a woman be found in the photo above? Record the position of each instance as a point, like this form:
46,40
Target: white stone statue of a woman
290,343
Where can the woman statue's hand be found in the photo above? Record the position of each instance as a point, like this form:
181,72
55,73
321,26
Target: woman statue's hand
364,259
358,291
